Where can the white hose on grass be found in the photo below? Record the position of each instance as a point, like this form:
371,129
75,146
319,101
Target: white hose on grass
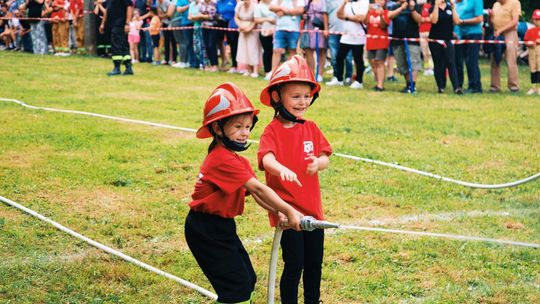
109,250
367,160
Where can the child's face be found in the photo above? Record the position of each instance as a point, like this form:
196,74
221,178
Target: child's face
381,3
238,128
536,22
296,98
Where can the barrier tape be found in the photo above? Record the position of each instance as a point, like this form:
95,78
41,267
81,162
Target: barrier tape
160,125
301,31
110,250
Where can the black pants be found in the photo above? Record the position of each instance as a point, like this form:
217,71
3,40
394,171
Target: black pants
302,251
357,52
210,44
232,41
221,256
170,43
119,42
267,45
444,58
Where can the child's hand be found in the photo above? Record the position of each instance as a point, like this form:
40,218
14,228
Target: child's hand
313,167
291,220
283,222
288,175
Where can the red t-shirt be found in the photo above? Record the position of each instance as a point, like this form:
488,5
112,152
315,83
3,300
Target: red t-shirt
532,34
219,188
425,26
374,28
75,5
292,148
58,9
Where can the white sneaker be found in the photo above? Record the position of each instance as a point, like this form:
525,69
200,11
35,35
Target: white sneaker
334,82
532,91
179,65
367,70
232,70
267,76
254,75
246,73
428,72
348,81
319,78
357,85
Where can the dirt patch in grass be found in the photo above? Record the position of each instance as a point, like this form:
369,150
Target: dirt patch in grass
24,159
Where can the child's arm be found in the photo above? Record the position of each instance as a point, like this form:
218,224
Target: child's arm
272,166
269,200
318,164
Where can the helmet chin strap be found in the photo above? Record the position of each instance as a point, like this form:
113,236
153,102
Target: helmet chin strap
286,114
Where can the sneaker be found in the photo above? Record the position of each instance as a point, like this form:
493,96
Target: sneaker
458,91
532,91
179,65
391,79
232,70
367,70
267,76
514,90
377,89
473,91
494,90
428,72
334,82
163,62
357,85
246,73
254,75
405,90
440,90
319,78
347,81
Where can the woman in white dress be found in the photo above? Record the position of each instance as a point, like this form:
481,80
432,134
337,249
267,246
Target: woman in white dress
249,47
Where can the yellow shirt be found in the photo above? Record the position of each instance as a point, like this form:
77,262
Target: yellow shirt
504,13
155,24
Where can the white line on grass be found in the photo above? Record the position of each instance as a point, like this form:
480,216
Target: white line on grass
352,157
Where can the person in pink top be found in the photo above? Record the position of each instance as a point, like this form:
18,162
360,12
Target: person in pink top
292,151
134,36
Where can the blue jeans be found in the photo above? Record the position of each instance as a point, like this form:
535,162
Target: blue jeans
187,38
145,46
333,44
468,53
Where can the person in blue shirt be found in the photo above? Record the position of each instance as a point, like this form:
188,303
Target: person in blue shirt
183,37
225,10
470,13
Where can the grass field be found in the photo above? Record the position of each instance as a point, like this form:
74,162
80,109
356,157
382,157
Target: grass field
128,186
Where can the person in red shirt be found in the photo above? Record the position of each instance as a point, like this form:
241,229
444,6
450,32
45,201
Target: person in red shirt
60,28
219,196
424,28
77,11
291,152
533,37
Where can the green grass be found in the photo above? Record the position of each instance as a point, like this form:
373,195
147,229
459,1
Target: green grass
128,186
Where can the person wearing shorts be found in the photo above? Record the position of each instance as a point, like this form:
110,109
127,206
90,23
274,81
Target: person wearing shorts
287,28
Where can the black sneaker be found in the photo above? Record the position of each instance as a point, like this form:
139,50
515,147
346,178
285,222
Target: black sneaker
377,89
473,91
440,90
405,90
458,91
391,79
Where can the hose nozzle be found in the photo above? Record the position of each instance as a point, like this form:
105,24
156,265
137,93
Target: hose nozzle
309,223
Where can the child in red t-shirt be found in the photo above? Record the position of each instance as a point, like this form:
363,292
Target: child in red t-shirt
377,42
291,152
219,196
533,37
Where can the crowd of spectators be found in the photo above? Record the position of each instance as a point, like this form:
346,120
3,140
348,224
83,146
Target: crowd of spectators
236,36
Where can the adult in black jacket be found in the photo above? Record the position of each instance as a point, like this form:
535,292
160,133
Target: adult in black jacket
117,17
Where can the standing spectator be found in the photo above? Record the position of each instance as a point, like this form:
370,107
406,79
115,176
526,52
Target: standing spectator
336,28
102,39
77,11
60,28
533,37
184,37
469,27
117,17
195,16
316,22
249,47
406,26
145,45
505,17
154,29
287,28
353,39
424,28
226,13
37,28
267,21
208,11
443,16
165,11
134,36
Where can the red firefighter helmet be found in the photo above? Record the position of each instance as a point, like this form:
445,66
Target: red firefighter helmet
226,100
536,14
293,70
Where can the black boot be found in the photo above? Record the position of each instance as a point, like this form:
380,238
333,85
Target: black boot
129,70
116,70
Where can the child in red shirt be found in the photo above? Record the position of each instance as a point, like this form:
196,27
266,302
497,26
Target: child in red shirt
219,196
377,42
533,37
292,150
